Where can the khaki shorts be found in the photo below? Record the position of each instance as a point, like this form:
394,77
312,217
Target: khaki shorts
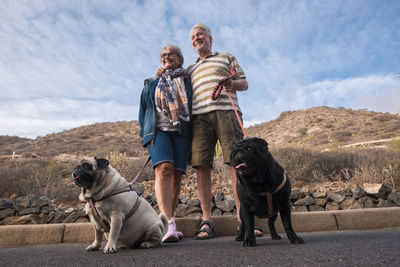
207,129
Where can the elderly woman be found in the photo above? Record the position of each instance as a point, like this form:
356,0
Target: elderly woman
164,118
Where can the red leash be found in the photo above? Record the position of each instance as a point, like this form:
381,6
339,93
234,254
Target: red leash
217,91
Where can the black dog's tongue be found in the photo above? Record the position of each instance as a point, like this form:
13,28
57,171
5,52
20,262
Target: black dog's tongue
237,167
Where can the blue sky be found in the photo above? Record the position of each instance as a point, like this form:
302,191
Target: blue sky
66,63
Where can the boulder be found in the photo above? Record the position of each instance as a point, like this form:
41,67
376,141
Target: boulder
299,208
6,203
219,196
377,190
350,203
296,194
6,213
394,197
194,202
320,201
180,210
336,197
332,206
21,203
358,192
383,203
216,212
315,208
183,199
367,202
226,205
308,200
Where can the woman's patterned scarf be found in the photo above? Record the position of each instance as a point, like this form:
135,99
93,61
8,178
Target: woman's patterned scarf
170,96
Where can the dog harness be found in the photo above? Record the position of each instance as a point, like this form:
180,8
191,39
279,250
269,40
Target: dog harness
269,196
104,225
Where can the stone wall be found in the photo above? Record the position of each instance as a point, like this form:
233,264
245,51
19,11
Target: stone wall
34,209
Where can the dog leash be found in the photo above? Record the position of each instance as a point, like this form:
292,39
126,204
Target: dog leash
217,91
141,170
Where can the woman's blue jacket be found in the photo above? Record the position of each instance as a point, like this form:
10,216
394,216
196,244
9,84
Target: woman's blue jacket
147,115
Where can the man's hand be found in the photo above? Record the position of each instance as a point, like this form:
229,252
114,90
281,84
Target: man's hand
228,85
235,85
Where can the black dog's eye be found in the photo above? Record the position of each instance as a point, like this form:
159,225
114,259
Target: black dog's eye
86,166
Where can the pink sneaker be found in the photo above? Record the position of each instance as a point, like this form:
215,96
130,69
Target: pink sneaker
180,235
172,235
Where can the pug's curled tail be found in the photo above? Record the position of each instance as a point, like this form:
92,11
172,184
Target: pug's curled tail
164,220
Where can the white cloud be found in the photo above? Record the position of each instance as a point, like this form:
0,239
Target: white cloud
59,56
38,117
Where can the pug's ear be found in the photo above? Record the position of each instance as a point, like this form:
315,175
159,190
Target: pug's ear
101,162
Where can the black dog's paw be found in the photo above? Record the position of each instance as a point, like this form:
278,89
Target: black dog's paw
296,240
239,238
249,243
275,236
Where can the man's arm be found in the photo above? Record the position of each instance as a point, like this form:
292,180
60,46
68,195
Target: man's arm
236,85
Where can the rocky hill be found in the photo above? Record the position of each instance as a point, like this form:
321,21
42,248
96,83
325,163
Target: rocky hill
316,128
42,166
324,127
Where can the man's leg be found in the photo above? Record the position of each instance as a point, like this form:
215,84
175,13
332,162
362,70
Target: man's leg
204,190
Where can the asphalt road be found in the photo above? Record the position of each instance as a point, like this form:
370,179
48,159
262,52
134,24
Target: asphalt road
341,248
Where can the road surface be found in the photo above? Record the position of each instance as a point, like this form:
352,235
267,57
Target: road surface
340,248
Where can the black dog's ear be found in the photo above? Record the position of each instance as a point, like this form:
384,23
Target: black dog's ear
261,142
101,162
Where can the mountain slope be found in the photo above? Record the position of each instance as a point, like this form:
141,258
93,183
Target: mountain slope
317,128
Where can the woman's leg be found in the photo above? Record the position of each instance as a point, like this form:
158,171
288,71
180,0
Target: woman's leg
176,188
164,188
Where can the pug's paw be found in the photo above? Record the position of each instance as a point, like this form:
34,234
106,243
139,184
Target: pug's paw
93,247
110,249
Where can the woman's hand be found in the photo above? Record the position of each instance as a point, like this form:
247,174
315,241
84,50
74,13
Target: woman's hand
160,71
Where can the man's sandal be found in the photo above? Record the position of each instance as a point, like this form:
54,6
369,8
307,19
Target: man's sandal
256,229
210,230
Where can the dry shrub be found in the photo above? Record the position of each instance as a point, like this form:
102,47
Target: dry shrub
130,167
383,117
341,136
355,166
36,176
394,144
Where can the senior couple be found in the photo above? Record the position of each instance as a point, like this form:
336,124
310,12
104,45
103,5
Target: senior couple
177,118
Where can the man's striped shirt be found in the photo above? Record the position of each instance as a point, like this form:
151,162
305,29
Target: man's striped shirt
205,74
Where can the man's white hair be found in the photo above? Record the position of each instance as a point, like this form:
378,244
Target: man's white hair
201,26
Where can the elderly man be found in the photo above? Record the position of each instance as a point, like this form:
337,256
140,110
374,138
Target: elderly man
212,119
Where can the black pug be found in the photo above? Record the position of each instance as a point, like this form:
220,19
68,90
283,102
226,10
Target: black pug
258,173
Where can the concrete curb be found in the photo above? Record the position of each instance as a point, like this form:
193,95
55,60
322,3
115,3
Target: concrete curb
360,219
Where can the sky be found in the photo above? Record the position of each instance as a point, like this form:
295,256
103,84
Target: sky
67,63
